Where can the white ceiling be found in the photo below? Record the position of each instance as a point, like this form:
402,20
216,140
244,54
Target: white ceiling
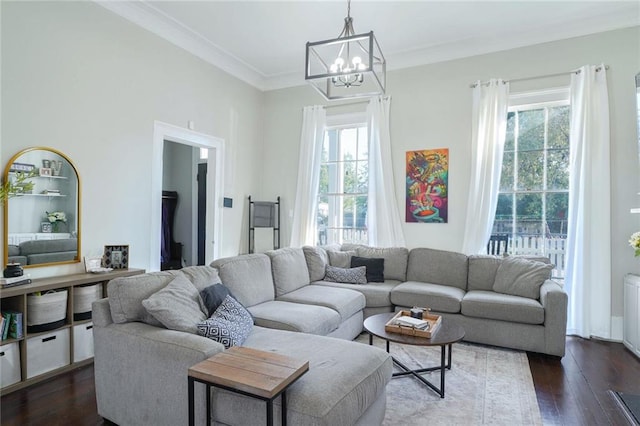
263,42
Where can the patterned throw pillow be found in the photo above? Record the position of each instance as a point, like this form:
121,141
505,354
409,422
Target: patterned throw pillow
230,324
346,275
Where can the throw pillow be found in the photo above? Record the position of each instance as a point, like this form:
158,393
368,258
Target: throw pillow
230,324
213,296
521,277
340,259
177,306
346,275
375,267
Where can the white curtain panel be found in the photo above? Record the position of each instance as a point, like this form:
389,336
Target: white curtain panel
304,227
383,218
588,273
488,132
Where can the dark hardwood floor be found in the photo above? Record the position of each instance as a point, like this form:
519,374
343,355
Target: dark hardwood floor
573,390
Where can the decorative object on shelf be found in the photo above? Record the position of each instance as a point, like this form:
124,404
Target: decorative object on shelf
56,218
46,227
13,270
634,242
349,66
45,171
116,257
56,167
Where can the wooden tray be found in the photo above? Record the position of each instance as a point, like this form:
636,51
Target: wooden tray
434,321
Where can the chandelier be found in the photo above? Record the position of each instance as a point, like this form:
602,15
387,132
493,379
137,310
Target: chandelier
349,66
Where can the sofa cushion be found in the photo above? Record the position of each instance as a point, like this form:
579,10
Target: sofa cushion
344,379
177,306
375,268
344,301
48,246
340,259
441,298
504,307
248,277
289,269
295,317
438,267
13,250
356,275
482,271
213,296
395,260
127,293
230,324
377,295
317,259
201,276
521,277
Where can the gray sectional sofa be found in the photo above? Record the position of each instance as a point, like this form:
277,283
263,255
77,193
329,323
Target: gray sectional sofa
43,251
141,367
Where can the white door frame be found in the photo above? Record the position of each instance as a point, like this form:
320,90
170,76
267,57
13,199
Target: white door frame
162,131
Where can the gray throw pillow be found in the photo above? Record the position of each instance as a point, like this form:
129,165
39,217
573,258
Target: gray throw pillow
230,324
177,306
521,277
340,259
213,296
346,275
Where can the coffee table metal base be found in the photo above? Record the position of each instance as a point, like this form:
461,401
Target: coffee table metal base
445,364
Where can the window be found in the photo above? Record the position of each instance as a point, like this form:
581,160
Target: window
533,197
344,182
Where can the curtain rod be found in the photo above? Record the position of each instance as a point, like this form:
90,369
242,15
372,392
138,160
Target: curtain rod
558,74
351,103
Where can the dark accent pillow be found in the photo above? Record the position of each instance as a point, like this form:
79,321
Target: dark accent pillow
213,296
230,324
346,275
375,267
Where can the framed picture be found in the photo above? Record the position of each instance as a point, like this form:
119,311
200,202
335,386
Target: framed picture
44,171
46,227
116,257
427,186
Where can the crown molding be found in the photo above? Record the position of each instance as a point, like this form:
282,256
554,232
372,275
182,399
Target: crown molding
155,21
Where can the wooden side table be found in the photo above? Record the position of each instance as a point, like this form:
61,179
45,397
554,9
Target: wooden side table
247,371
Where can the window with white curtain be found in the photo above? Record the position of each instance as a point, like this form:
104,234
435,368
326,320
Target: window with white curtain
344,175
533,197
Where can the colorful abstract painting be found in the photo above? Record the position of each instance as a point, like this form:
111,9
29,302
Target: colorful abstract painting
427,185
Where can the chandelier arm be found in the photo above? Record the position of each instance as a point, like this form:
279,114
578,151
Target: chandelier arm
319,58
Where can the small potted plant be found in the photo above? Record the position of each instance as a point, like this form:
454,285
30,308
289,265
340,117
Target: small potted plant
634,242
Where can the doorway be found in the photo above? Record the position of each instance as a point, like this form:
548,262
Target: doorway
213,190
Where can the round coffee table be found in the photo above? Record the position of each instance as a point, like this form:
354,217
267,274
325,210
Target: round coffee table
445,336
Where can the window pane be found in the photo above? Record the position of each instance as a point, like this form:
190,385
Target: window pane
558,127
323,187
331,145
557,208
506,177
511,124
349,176
558,169
529,214
348,209
363,177
333,182
531,130
363,144
348,143
530,170
504,215
361,212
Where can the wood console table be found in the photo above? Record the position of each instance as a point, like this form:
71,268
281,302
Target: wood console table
247,371
16,358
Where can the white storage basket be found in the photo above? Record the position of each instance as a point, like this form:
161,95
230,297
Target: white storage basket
9,364
48,308
83,297
48,352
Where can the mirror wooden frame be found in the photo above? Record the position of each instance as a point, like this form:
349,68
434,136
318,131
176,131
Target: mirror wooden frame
78,206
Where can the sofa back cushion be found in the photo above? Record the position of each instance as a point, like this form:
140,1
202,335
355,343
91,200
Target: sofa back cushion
127,293
521,277
289,269
438,267
482,271
395,260
317,261
201,276
248,277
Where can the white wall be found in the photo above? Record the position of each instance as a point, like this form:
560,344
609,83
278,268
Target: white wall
83,80
431,108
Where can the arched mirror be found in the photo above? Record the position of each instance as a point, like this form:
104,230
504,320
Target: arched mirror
41,209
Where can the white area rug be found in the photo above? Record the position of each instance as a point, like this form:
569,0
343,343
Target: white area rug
485,386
